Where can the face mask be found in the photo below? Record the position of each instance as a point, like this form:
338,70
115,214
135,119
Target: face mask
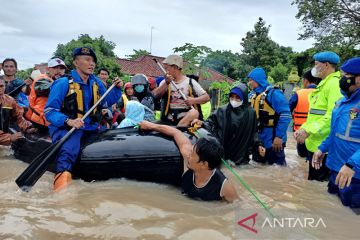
345,83
236,104
139,88
315,72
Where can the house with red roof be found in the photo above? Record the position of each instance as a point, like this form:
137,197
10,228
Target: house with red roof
146,65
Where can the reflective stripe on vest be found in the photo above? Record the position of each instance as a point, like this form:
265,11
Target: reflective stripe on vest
317,111
302,107
347,137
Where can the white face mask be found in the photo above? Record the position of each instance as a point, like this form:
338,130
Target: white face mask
235,103
314,72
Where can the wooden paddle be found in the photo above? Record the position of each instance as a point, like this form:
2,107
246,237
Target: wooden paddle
39,165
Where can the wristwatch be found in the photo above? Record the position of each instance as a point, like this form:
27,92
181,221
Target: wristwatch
349,165
66,120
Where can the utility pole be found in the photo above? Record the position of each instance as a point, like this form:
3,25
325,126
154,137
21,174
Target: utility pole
151,38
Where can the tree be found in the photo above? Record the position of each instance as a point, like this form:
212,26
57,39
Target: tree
330,22
104,52
228,63
260,50
279,73
193,56
137,54
24,74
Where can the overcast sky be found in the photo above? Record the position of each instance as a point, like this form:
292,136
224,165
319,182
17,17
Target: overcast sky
31,29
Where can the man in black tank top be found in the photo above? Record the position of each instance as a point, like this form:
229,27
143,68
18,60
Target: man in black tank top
201,178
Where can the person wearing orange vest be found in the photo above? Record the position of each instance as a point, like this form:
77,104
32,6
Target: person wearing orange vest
299,106
39,92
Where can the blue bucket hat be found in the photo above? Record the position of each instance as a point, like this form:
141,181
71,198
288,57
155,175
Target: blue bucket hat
352,66
328,56
84,51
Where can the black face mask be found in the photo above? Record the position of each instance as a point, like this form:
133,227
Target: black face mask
346,82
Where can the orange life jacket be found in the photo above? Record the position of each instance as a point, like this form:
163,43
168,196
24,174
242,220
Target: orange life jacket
302,108
37,104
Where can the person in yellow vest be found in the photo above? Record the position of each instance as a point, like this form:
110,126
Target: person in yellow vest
273,114
175,110
69,99
321,104
299,106
128,95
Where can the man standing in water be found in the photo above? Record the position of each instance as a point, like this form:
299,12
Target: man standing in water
201,178
69,99
321,103
343,142
273,114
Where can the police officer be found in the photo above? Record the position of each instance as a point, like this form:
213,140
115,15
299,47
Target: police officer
343,143
273,114
70,98
322,101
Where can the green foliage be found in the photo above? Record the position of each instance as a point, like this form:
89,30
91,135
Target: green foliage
279,73
228,63
104,52
24,74
260,50
293,76
224,88
193,55
137,54
331,22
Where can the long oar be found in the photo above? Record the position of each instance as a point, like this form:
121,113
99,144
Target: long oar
16,90
172,82
241,180
39,165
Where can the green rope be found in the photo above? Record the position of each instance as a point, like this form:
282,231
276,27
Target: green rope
241,180
248,188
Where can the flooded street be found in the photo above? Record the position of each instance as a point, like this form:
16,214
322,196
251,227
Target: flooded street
123,209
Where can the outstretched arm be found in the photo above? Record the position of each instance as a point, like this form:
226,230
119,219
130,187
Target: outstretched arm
181,141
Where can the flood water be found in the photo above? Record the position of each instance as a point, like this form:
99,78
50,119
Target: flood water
124,209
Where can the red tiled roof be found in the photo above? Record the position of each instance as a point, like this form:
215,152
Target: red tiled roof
146,65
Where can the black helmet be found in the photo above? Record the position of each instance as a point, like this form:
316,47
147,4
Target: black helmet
139,79
42,87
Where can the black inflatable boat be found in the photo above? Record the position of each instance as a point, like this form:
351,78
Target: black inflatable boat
128,153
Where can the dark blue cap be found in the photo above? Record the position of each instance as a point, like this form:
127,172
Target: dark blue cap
238,92
84,51
352,66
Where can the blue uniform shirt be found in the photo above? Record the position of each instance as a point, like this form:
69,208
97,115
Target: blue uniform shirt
59,90
343,142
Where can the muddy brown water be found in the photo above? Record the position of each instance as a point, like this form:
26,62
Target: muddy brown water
125,209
